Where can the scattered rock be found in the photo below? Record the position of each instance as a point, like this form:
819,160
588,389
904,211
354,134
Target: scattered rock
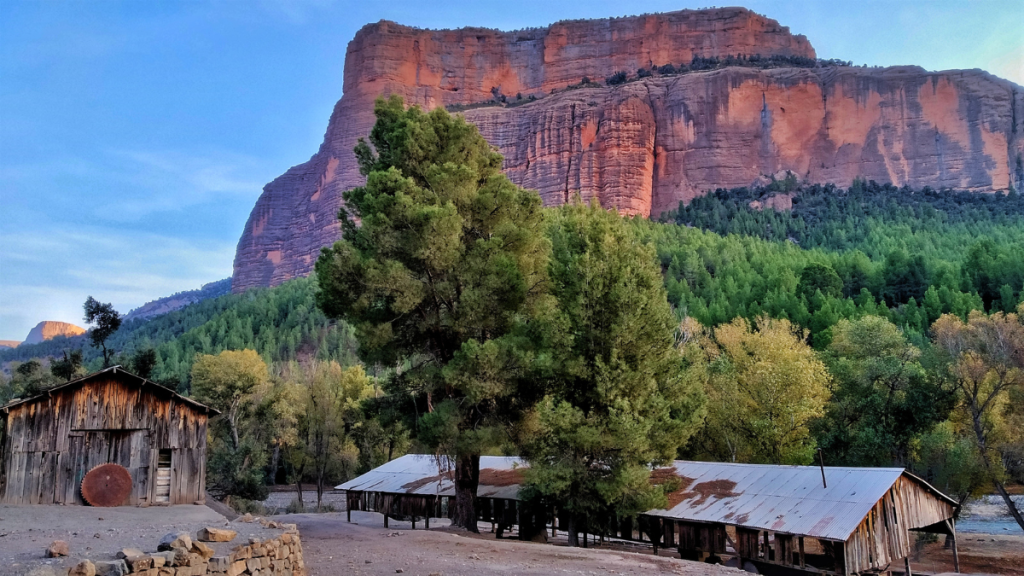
399,571
175,540
246,518
216,535
202,549
41,571
57,549
83,568
139,562
128,553
220,563
115,568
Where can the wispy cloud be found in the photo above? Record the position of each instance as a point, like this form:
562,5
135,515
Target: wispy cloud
47,277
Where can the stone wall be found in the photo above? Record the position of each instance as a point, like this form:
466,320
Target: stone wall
210,551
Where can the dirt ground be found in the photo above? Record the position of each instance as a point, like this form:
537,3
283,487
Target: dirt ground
333,547
979,554
98,533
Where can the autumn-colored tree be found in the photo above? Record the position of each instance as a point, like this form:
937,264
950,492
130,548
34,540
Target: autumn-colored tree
234,382
985,365
765,385
882,399
447,262
331,407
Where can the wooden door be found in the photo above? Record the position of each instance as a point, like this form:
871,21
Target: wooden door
90,448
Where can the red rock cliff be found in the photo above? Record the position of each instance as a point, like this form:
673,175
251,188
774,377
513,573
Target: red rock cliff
644,146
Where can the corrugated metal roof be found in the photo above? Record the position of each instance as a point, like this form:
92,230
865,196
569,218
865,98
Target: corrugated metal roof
788,499
420,474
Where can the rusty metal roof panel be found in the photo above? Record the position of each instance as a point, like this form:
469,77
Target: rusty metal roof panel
426,475
788,499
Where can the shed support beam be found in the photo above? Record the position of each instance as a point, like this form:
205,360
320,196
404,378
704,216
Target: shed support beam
906,563
956,555
385,520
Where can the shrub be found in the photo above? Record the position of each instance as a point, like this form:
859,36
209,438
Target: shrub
616,79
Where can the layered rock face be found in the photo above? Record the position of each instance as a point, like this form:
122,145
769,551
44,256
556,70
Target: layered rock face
49,329
644,146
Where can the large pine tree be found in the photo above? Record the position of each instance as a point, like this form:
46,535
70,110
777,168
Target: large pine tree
447,262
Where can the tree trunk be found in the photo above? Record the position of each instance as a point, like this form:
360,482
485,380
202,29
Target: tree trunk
274,460
298,488
1009,504
467,478
572,530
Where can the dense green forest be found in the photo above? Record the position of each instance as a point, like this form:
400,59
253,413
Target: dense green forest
909,256
282,324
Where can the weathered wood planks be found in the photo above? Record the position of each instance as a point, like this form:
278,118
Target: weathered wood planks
51,441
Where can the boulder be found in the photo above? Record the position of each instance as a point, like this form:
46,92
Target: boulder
209,534
128,553
202,549
175,540
83,568
220,563
139,562
114,568
57,549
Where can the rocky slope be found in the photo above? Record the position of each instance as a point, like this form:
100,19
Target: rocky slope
646,145
48,329
178,301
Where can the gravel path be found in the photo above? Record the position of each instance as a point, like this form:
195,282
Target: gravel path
98,533
333,547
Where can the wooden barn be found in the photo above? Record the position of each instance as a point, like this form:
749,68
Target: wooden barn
52,440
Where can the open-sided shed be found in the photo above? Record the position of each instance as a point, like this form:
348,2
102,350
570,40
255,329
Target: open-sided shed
51,440
419,486
831,520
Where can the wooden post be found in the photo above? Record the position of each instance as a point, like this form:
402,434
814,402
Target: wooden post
906,563
426,522
413,522
767,548
385,520
653,529
802,565
348,510
956,555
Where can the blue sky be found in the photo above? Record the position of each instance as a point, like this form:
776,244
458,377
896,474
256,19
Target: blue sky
136,136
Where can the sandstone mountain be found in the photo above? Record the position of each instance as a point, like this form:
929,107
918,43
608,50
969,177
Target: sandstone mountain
645,145
49,329
8,344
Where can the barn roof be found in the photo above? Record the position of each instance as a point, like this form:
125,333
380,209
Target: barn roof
788,499
420,474
117,371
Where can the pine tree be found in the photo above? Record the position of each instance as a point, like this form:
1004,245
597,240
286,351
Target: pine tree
447,265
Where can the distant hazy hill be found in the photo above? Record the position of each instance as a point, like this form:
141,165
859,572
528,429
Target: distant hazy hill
50,329
7,344
180,300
